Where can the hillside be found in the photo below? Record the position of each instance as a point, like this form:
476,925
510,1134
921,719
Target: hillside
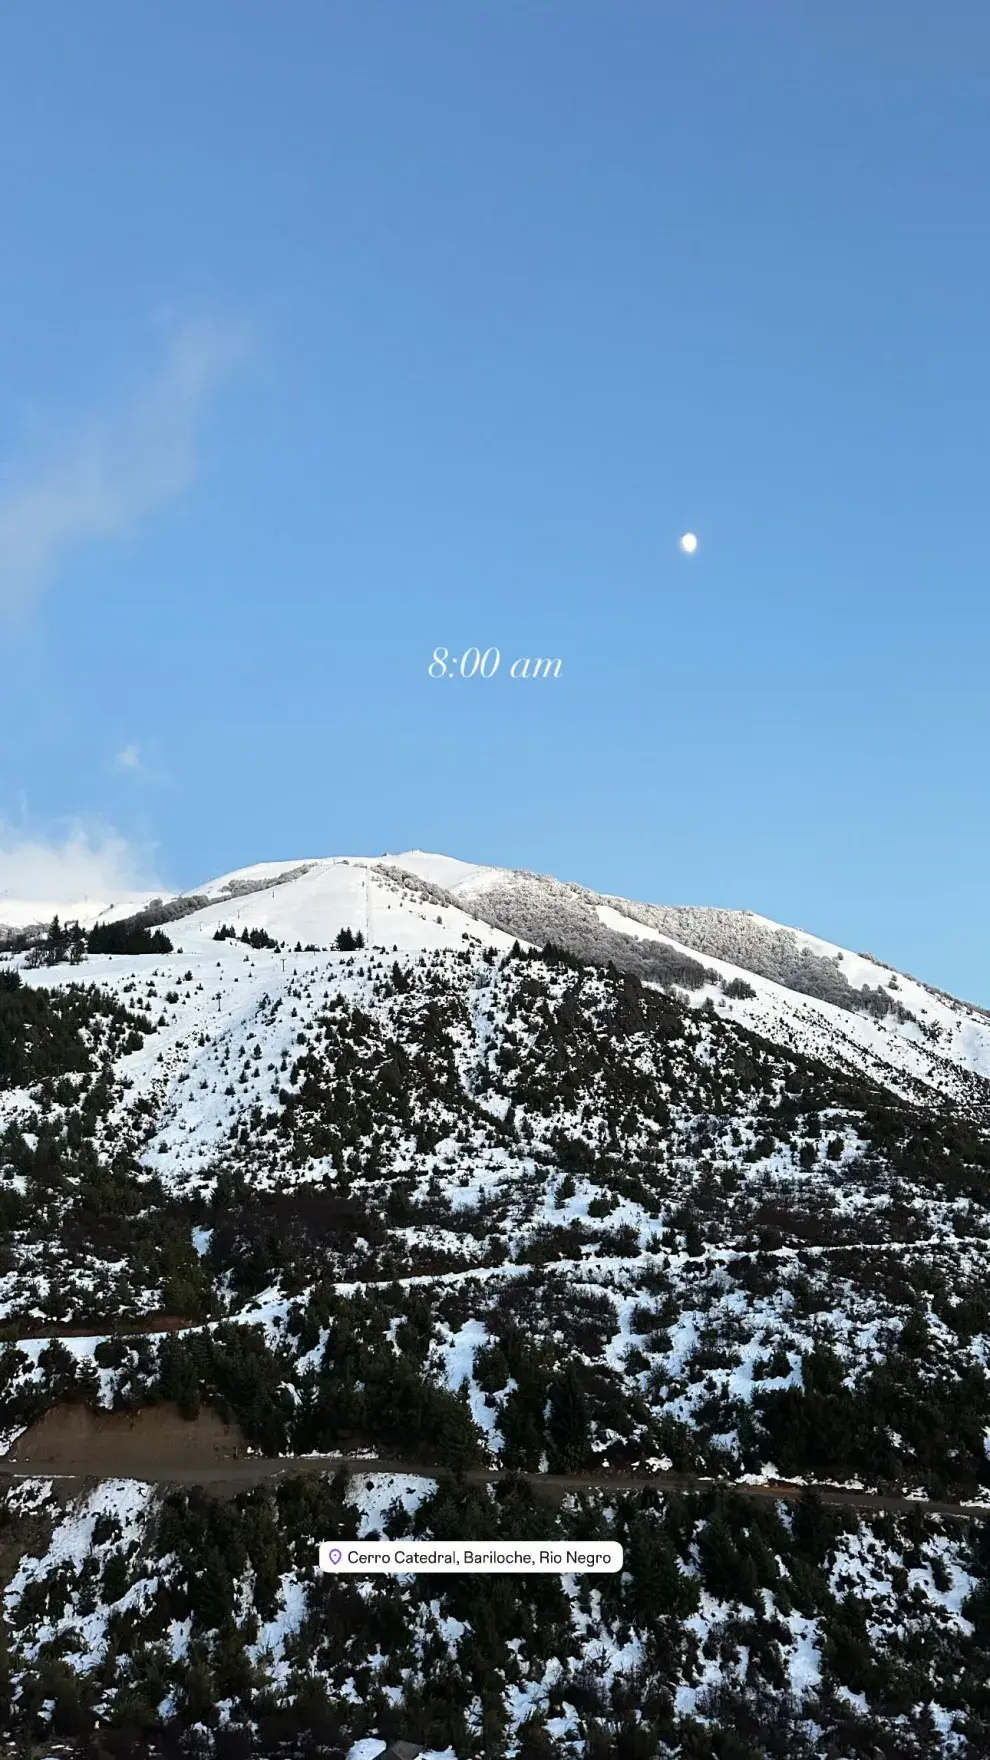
535,1183
803,993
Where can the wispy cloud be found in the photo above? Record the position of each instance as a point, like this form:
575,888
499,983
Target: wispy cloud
128,758
108,473
83,863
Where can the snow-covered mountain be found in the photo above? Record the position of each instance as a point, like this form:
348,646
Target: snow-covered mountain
795,989
665,1190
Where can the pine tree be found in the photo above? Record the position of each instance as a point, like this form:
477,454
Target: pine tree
534,1739
127,937
199,1693
58,941
657,1585
727,1573
568,1423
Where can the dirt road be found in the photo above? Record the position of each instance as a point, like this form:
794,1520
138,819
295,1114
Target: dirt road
231,1476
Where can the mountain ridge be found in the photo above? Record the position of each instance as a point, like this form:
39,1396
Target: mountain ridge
797,988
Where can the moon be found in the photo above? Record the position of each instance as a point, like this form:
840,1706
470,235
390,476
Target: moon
689,543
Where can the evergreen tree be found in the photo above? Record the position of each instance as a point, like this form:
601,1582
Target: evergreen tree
657,1585
726,1572
534,1739
127,937
57,943
568,1424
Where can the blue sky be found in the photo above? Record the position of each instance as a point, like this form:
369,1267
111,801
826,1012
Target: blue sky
333,333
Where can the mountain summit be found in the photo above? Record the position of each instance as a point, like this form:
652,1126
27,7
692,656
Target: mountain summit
792,987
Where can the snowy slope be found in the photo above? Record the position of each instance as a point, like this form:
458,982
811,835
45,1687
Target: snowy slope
334,894
421,1150
943,1047
924,1037
794,988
